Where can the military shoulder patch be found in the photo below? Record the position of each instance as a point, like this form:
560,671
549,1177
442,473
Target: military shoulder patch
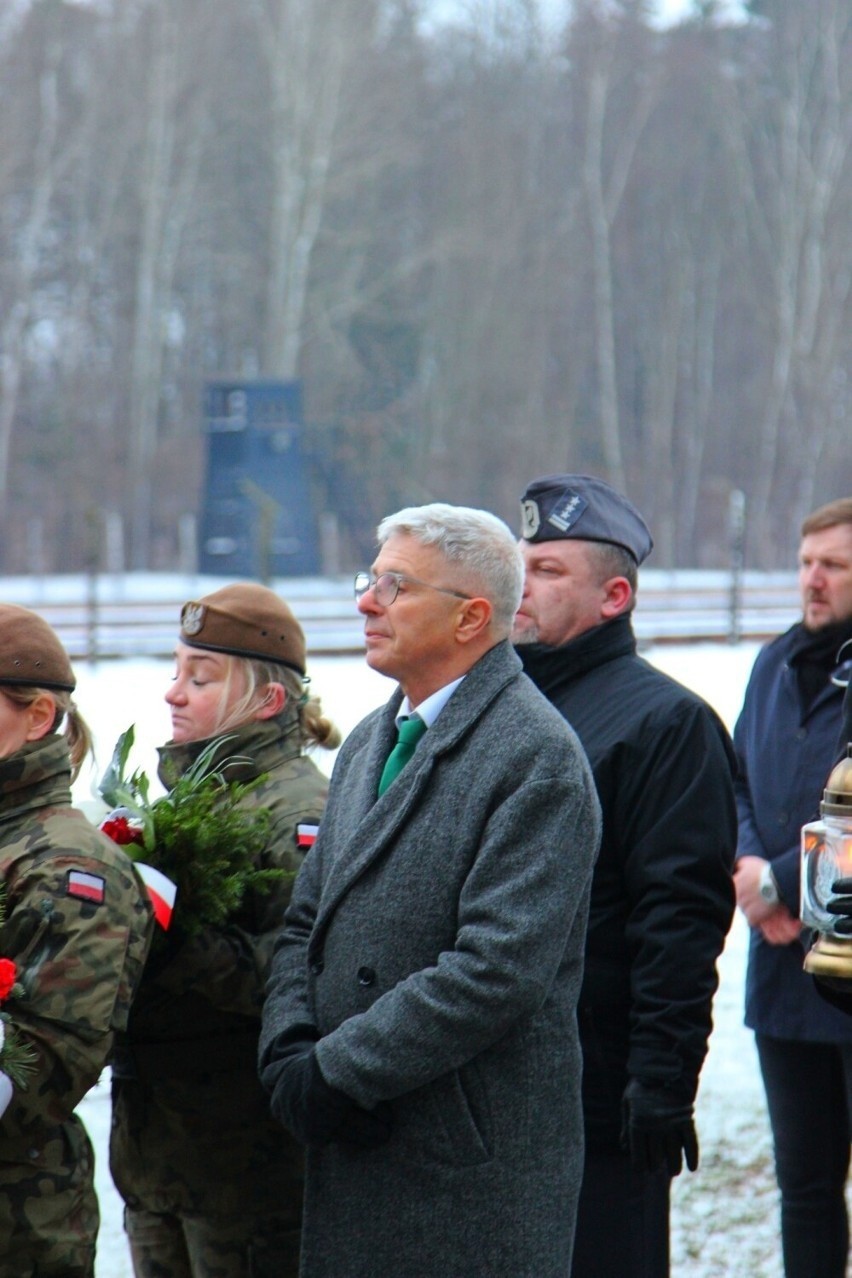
306,836
85,886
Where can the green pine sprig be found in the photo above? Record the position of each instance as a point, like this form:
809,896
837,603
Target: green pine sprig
17,1058
197,833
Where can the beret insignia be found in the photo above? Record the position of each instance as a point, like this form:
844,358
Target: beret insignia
192,618
530,518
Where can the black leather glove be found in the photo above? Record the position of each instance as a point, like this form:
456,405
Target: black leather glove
657,1129
304,1103
841,905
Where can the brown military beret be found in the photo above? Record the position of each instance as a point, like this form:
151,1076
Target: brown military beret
30,653
245,620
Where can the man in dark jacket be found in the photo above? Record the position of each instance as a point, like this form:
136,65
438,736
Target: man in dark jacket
662,896
787,738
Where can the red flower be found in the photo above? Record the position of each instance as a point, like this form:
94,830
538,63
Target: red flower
121,831
8,976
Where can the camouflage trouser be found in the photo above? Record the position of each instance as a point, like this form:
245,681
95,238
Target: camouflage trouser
164,1246
48,1208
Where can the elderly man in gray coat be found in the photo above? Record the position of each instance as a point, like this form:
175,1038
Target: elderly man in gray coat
419,1033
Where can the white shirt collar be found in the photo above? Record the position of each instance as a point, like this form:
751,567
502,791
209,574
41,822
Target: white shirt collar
429,709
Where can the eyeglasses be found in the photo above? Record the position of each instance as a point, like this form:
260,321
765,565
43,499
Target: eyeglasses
386,586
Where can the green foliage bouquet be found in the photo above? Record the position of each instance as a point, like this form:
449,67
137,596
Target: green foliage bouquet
197,834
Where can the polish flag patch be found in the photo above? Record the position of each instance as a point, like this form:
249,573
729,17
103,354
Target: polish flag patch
306,836
85,886
161,892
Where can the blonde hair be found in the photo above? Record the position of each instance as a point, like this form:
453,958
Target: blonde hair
314,727
77,732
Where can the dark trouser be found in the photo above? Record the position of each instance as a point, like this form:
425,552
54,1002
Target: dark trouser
164,1246
808,1088
622,1221
623,1216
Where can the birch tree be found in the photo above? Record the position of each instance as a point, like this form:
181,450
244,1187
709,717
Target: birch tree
792,132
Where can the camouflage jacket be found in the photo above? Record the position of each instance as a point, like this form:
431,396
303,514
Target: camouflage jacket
191,1126
77,925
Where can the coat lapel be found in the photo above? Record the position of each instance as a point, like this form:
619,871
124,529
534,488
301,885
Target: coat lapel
378,821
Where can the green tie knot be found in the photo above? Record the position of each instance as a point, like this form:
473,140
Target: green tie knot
409,732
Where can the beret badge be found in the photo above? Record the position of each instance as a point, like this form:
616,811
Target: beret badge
192,618
530,518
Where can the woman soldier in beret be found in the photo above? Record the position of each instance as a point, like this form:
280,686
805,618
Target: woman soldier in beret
212,1184
76,924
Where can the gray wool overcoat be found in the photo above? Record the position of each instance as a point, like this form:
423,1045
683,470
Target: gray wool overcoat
435,939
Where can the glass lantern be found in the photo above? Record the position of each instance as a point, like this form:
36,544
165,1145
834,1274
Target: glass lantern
826,857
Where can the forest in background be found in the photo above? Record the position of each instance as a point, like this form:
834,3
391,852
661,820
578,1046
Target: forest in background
488,251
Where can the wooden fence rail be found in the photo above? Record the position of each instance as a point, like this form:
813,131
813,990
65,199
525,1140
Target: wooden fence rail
136,614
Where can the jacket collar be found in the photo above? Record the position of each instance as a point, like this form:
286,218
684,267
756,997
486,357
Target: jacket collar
258,746
548,666
36,776
377,821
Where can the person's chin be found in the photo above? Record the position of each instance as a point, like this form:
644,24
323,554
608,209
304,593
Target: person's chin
377,658
525,633
818,618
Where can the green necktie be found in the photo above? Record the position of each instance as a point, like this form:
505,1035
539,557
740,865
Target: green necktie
409,732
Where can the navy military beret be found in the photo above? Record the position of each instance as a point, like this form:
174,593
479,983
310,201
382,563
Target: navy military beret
582,506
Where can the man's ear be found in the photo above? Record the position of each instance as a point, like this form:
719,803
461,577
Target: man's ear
273,701
473,619
41,714
618,596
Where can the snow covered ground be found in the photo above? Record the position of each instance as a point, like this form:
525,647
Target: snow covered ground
724,1217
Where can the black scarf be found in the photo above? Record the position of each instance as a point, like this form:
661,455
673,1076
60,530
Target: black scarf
814,657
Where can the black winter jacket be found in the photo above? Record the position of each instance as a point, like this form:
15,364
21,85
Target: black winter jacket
662,894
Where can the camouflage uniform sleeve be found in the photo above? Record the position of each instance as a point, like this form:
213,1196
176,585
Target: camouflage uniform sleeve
228,966
77,928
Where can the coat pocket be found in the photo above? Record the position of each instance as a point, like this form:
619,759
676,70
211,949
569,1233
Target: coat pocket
449,1120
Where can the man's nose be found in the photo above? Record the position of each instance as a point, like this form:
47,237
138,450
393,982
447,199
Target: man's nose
366,603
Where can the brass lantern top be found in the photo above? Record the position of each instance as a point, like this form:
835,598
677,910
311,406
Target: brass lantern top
837,796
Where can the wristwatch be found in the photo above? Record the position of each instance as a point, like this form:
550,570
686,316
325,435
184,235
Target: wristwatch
767,887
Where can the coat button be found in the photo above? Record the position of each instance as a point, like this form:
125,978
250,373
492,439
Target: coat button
366,976
317,964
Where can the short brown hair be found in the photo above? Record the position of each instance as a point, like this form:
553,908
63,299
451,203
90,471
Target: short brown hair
614,561
828,516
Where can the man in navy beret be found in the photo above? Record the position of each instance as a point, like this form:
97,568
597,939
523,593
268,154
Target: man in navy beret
662,893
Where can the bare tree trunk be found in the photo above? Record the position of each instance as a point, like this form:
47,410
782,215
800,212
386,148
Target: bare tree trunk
308,49
30,239
167,190
604,183
603,285
146,355
791,195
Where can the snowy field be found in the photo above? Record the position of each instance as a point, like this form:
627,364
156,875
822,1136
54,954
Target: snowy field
724,1217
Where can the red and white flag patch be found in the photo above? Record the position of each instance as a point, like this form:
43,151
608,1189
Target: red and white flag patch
85,886
161,891
306,836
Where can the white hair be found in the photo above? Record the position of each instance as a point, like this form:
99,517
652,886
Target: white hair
481,548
